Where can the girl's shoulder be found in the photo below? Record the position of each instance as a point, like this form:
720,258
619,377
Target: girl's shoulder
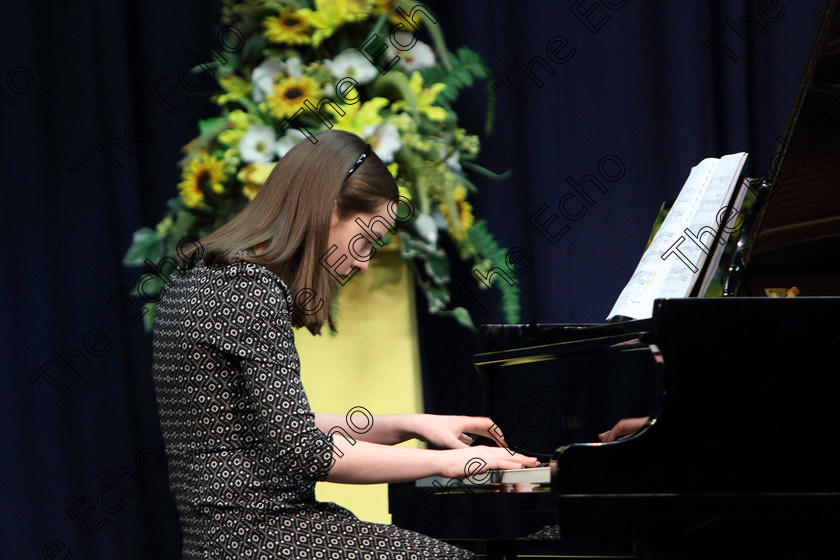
244,274
243,277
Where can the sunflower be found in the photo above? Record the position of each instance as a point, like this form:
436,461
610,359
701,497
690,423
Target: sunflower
465,217
288,28
289,93
202,172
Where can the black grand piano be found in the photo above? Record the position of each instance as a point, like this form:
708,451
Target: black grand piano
739,456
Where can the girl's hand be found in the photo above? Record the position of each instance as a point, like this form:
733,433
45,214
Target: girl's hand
455,432
623,428
475,461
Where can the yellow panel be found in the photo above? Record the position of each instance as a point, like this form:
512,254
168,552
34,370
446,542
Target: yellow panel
372,362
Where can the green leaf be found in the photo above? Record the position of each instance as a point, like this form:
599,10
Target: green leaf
438,40
491,109
145,244
253,47
481,170
209,124
463,317
488,255
182,228
437,297
466,67
175,204
379,26
437,266
399,86
209,129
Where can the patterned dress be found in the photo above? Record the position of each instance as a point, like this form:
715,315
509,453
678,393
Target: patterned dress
244,453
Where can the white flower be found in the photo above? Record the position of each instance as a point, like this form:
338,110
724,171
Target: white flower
419,56
265,75
426,228
453,162
288,141
294,68
258,144
384,138
352,64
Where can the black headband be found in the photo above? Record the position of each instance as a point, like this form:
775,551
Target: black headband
358,162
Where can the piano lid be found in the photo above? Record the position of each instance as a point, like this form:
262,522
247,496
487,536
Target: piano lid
796,234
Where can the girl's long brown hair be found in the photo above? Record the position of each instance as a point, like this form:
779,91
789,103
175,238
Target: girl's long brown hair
292,212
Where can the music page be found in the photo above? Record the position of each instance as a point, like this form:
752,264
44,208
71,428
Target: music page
674,260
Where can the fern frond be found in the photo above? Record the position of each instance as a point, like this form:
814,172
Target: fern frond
489,251
466,68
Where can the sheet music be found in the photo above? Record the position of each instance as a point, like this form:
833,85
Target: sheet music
735,222
674,260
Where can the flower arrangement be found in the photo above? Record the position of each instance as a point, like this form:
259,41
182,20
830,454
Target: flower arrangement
353,65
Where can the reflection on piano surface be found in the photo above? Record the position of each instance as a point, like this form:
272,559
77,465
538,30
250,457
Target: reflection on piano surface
739,459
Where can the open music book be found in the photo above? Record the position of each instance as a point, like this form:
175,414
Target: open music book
685,252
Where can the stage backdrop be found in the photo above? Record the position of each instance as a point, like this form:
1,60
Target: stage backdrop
94,107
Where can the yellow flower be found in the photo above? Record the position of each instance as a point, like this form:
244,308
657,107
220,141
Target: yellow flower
234,86
238,123
288,27
253,176
289,93
329,15
459,225
424,97
358,117
202,172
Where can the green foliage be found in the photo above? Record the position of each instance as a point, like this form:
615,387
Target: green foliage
406,115
490,255
145,244
467,67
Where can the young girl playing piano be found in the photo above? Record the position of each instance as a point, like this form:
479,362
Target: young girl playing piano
244,448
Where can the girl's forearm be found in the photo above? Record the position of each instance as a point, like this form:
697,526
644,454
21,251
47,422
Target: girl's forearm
385,429
373,463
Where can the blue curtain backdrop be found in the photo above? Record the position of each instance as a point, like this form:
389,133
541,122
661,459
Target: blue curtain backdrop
94,110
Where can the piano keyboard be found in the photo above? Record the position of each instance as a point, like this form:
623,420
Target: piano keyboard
534,475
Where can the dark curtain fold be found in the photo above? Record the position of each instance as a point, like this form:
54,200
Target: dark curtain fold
88,156
94,110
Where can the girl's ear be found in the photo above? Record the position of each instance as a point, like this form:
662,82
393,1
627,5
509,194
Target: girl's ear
335,217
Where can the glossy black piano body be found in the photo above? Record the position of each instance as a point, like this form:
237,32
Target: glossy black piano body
737,456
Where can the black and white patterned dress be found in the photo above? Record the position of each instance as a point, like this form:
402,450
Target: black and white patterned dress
244,452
